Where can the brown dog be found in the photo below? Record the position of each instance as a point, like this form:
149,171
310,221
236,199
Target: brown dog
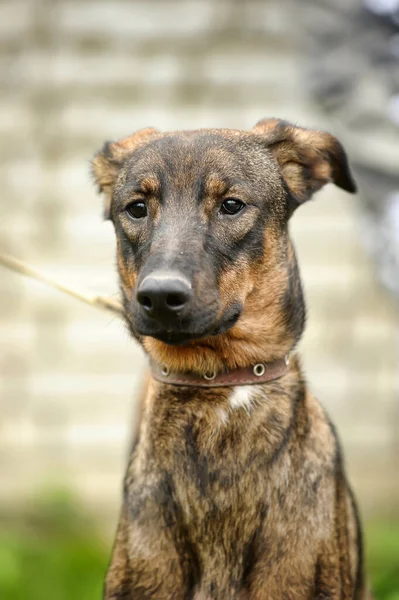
235,488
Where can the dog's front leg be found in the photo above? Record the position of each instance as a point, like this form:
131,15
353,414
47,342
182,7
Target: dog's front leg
333,574
145,565
328,583
117,583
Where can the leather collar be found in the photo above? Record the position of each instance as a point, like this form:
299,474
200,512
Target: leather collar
257,374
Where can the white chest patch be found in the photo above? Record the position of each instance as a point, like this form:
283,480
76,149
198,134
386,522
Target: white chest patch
223,415
242,397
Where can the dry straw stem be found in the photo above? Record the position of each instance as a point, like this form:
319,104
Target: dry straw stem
98,301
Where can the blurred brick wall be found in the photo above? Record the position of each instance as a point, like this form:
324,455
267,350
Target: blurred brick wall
76,73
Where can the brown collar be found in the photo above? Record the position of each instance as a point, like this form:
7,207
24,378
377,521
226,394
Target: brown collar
259,373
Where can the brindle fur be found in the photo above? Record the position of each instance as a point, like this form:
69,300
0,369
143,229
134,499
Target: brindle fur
230,493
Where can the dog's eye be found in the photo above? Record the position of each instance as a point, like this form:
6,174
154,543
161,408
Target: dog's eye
137,210
231,206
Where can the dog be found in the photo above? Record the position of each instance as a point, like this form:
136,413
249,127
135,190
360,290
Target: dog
235,487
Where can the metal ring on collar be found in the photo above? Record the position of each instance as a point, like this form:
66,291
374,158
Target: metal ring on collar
165,371
259,370
210,376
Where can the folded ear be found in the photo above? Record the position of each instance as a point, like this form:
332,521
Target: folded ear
108,161
307,159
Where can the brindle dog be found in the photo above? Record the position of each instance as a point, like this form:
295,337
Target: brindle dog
232,492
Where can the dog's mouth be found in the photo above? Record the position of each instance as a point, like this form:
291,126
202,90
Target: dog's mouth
186,334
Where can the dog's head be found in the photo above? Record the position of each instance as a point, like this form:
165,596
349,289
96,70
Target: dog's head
208,272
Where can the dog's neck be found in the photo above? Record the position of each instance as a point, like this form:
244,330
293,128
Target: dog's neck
287,383
214,417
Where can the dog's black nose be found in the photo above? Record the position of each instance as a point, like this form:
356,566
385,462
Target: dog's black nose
164,294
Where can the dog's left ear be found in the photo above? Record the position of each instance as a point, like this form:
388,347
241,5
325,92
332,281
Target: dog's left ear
307,159
108,161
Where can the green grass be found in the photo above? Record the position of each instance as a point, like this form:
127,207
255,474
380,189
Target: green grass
54,552
382,557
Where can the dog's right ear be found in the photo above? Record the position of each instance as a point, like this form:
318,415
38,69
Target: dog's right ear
107,162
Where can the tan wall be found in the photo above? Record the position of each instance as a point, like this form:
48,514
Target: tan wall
76,73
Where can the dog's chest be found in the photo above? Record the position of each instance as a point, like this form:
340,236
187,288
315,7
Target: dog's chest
205,479
206,459
208,512
222,492
222,520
